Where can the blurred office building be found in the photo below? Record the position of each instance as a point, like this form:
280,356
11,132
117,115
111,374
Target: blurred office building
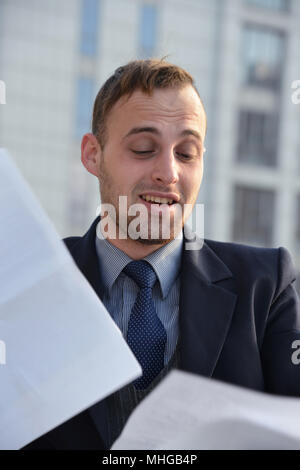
244,55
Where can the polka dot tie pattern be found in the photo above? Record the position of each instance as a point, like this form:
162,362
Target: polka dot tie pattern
146,335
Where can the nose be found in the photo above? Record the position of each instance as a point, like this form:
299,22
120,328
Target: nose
166,169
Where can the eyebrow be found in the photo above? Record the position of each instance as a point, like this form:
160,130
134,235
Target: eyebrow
154,130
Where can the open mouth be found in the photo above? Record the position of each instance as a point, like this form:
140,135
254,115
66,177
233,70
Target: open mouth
157,200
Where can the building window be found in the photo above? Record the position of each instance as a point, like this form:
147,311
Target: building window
89,27
280,5
148,30
253,216
258,138
263,57
85,94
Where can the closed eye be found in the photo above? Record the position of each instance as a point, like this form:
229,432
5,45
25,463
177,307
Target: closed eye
185,156
142,152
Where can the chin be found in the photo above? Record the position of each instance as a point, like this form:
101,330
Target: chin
153,241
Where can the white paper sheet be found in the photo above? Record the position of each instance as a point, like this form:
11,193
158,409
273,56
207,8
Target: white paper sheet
190,412
63,351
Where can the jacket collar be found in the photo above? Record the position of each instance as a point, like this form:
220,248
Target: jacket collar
86,258
206,308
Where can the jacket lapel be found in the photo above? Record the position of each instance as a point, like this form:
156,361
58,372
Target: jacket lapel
86,258
206,309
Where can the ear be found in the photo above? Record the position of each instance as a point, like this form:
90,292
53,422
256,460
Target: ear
91,154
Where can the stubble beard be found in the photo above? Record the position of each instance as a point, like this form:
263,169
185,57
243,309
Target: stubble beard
108,196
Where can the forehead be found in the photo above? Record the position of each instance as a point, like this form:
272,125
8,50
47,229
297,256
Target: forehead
167,108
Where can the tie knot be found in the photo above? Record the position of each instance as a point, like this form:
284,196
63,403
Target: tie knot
141,272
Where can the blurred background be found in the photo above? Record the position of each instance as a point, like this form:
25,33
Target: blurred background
244,55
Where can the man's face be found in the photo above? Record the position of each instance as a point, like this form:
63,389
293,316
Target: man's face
154,147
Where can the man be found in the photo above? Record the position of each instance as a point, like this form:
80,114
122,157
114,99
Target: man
221,310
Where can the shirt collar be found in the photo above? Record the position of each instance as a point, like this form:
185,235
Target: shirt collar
165,261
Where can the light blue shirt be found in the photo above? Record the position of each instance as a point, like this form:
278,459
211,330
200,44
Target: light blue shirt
120,291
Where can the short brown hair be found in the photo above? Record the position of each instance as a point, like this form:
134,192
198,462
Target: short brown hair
144,75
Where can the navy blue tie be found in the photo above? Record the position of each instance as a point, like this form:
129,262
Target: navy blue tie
146,335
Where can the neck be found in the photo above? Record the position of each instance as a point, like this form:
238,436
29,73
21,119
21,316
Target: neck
134,249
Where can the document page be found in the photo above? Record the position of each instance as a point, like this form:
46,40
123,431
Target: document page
60,351
189,412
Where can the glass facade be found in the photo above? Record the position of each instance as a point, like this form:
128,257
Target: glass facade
253,215
84,102
89,27
263,57
281,5
258,138
147,30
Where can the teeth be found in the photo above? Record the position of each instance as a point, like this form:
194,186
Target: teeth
159,200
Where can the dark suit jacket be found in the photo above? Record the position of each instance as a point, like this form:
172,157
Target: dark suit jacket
239,316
